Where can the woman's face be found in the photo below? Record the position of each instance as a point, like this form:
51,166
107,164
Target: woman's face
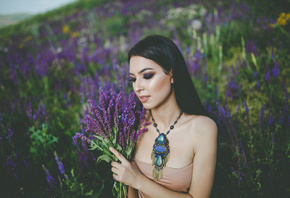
150,83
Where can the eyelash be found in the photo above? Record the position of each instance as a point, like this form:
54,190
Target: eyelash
146,76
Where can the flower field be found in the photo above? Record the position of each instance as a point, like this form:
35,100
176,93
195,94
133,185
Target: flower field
237,53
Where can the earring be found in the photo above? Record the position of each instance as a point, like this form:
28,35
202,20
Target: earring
172,80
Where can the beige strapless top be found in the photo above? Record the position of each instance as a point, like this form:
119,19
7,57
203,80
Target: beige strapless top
177,179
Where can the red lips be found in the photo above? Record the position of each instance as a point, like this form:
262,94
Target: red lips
144,98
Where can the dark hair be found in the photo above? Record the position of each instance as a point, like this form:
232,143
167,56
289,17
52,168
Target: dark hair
165,53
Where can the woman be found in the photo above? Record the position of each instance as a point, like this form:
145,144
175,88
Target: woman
176,157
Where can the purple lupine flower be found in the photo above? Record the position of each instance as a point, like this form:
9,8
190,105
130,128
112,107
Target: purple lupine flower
26,162
233,130
258,85
113,112
216,90
209,108
248,117
238,110
49,178
271,120
222,118
83,159
244,156
280,120
84,144
255,74
132,136
239,166
10,134
97,125
11,164
251,48
275,70
60,165
197,61
118,110
1,119
272,55
140,132
102,99
82,137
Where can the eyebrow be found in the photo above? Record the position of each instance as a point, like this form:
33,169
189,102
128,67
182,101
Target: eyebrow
145,69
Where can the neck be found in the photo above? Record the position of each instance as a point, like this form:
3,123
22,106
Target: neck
166,113
165,117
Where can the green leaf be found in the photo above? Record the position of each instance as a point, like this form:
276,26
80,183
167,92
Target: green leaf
99,137
104,157
90,192
118,147
33,150
72,172
94,145
115,136
129,151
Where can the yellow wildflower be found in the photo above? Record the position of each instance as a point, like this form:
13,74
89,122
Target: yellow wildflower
282,15
65,29
21,45
28,38
74,34
283,19
288,17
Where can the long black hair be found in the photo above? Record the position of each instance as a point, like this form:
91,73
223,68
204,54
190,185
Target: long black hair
165,53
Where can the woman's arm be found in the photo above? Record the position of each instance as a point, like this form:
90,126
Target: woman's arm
203,167
155,190
129,174
204,159
132,193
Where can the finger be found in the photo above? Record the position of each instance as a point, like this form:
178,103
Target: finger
118,155
114,170
115,177
115,164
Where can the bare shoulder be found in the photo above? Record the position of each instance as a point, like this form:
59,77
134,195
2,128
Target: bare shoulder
203,128
206,133
205,124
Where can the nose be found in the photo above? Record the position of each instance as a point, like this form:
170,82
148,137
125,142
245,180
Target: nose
138,85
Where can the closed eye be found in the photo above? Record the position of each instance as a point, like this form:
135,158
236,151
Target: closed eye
132,79
148,76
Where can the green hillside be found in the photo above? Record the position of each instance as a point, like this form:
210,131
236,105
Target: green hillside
237,53
6,20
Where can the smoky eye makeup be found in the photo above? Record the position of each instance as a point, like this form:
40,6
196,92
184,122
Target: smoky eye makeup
131,79
148,75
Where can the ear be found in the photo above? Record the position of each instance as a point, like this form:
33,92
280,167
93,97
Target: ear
171,75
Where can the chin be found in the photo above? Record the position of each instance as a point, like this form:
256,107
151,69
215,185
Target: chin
149,105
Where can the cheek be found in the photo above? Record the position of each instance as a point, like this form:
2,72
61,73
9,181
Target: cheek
161,85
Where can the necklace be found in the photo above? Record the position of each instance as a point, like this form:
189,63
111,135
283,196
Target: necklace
161,150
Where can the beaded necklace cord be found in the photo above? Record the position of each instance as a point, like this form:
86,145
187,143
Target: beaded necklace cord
161,150
171,127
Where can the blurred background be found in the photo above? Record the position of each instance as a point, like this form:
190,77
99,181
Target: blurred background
56,55
16,10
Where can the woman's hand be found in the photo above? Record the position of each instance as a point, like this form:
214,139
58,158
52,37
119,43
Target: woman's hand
125,172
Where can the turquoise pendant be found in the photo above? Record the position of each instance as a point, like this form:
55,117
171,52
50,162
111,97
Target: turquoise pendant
160,156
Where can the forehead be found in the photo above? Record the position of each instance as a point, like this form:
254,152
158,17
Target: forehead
138,63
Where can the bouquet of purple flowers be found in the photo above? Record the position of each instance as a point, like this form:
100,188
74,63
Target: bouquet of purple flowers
114,123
